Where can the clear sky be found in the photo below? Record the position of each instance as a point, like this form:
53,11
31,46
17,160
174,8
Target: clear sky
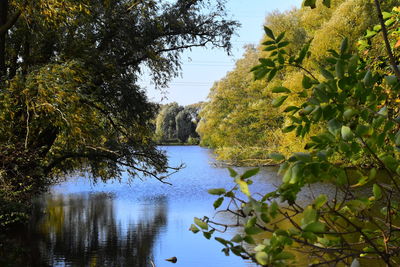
202,67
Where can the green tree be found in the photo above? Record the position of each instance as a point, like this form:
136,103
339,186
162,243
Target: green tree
186,124
355,106
69,98
177,123
238,116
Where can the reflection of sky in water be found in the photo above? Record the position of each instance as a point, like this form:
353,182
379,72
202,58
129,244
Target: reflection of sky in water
140,201
116,224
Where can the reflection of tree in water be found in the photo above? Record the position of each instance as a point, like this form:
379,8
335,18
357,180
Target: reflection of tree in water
84,231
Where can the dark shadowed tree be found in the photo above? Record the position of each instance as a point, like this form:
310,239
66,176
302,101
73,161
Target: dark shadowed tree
69,97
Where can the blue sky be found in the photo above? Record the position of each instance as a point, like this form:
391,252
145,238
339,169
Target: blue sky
202,67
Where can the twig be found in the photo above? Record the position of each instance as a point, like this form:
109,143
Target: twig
386,39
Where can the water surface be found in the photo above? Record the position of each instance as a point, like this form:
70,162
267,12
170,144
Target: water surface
115,224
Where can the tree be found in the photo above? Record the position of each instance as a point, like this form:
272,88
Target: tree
166,122
355,105
69,98
177,123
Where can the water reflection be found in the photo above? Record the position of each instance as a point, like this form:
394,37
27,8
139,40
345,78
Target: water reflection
115,224
87,230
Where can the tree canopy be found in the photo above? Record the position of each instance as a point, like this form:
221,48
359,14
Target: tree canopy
177,124
69,97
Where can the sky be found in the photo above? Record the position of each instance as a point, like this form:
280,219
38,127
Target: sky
202,67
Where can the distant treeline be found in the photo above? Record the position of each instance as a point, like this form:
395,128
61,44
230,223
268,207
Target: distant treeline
177,124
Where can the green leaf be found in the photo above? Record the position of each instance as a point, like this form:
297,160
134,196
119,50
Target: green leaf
267,62
281,59
391,80
279,101
207,235
262,258
315,227
397,139
383,111
309,215
280,89
272,74
368,81
353,63
370,34
303,53
283,44
376,189
232,172
390,22
326,3
320,201
270,48
302,156
310,3
362,130
217,191
334,126
269,32
349,113
265,218
273,209
372,173
306,82
237,238
339,68
377,28
288,129
200,223
344,45
280,37
244,187
276,156
222,241
194,229
260,73
291,108
250,173
327,74
218,202
284,256
253,230
347,134
386,15
268,42
362,181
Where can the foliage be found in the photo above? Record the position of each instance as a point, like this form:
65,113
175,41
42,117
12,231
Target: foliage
177,124
355,108
235,117
226,125
69,98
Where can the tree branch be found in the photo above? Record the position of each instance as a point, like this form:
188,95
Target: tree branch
386,39
5,27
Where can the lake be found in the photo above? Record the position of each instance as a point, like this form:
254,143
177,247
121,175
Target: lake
115,224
